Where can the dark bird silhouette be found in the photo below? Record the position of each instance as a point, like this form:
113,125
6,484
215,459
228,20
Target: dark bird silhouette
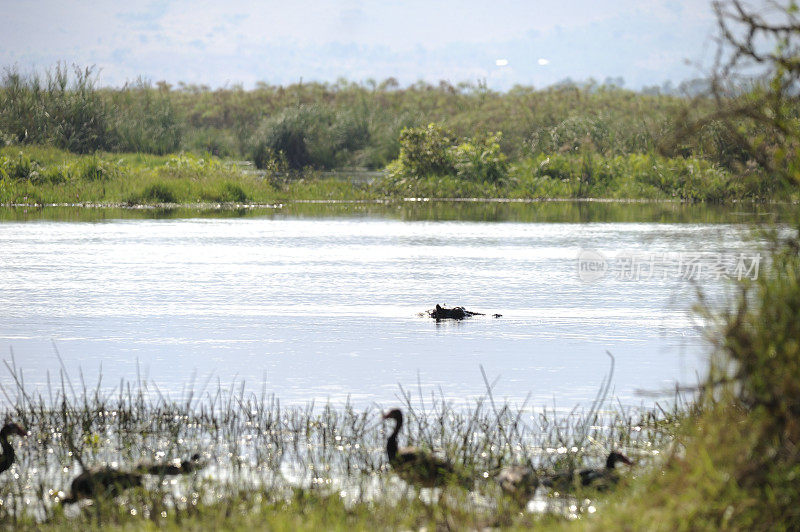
103,481
518,482
108,481
417,466
9,429
601,478
174,467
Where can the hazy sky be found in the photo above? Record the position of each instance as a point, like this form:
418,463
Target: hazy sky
233,41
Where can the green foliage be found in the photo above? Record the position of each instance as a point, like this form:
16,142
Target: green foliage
217,142
426,151
309,135
289,134
350,130
120,178
19,168
145,121
266,158
759,346
572,134
435,151
326,126
480,158
79,117
226,192
23,168
65,109
187,163
95,169
158,192
68,111
631,176
689,179
735,463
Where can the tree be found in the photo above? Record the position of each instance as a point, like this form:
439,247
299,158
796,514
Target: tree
754,89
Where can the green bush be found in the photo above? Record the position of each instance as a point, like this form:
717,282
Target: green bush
265,158
426,151
480,158
434,151
318,136
23,168
349,131
688,179
66,109
158,192
79,114
55,174
289,133
188,165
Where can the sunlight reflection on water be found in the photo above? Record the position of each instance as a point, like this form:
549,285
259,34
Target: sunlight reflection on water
329,308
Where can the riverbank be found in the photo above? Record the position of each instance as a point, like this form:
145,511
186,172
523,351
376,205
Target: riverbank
38,175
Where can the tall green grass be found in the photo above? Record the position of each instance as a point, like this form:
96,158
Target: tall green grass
66,109
341,125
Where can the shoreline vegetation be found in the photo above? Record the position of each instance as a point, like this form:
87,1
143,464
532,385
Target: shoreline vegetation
41,175
65,140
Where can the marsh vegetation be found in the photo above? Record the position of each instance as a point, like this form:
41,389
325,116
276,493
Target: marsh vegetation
724,455
319,465
565,141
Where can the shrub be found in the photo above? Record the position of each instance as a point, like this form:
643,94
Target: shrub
480,158
6,139
350,131
689,179
190,165
78,116
434,151
55,174
21,169
426,151
289,134
265,158
158,192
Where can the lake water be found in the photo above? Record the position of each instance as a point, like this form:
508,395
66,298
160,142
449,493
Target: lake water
323,302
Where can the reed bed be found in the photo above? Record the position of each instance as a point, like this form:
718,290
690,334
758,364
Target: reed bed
322,461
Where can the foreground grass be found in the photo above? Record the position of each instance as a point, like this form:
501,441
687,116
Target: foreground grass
43,175
274,467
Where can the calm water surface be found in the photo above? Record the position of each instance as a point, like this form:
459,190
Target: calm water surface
322,306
